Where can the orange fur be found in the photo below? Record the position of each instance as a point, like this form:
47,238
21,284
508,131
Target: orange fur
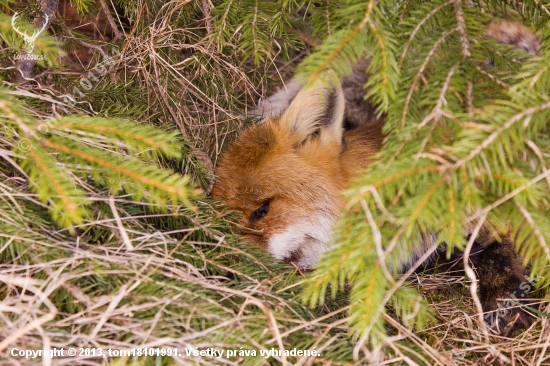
299,166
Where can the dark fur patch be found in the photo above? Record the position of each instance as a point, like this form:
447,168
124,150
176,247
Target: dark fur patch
359,111
331,107
501,276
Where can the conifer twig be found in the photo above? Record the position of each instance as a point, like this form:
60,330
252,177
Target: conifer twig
303,37
207,16
527,113
84,43
111,21
348,39
462,29
418,26
421,70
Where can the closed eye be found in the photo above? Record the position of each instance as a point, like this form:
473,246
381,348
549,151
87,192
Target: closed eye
259,213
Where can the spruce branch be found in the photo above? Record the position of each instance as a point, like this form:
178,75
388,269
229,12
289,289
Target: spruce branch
535,227
141,136
177,190
377,240
350,36
418,74
542,7
525,114
384,69
101,144
493,78
419,25
509,196
436,114
461,28
538,153
69,211
303,37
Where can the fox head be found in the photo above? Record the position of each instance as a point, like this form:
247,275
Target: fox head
285,175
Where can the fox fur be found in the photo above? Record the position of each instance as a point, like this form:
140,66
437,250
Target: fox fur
285,176
310,144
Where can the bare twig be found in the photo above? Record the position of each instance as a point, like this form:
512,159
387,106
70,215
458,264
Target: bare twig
121,229
111,21
84,43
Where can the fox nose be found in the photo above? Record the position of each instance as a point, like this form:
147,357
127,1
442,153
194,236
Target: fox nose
294,257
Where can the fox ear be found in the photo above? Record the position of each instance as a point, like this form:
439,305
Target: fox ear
318,109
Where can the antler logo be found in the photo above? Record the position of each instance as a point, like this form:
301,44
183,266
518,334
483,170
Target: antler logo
29,40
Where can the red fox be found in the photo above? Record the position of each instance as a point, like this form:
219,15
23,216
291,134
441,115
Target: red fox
285,176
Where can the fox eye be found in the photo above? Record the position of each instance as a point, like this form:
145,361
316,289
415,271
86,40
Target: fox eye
259,213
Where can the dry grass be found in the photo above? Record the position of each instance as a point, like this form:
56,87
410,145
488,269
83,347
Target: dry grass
458,331
161,292
149,297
